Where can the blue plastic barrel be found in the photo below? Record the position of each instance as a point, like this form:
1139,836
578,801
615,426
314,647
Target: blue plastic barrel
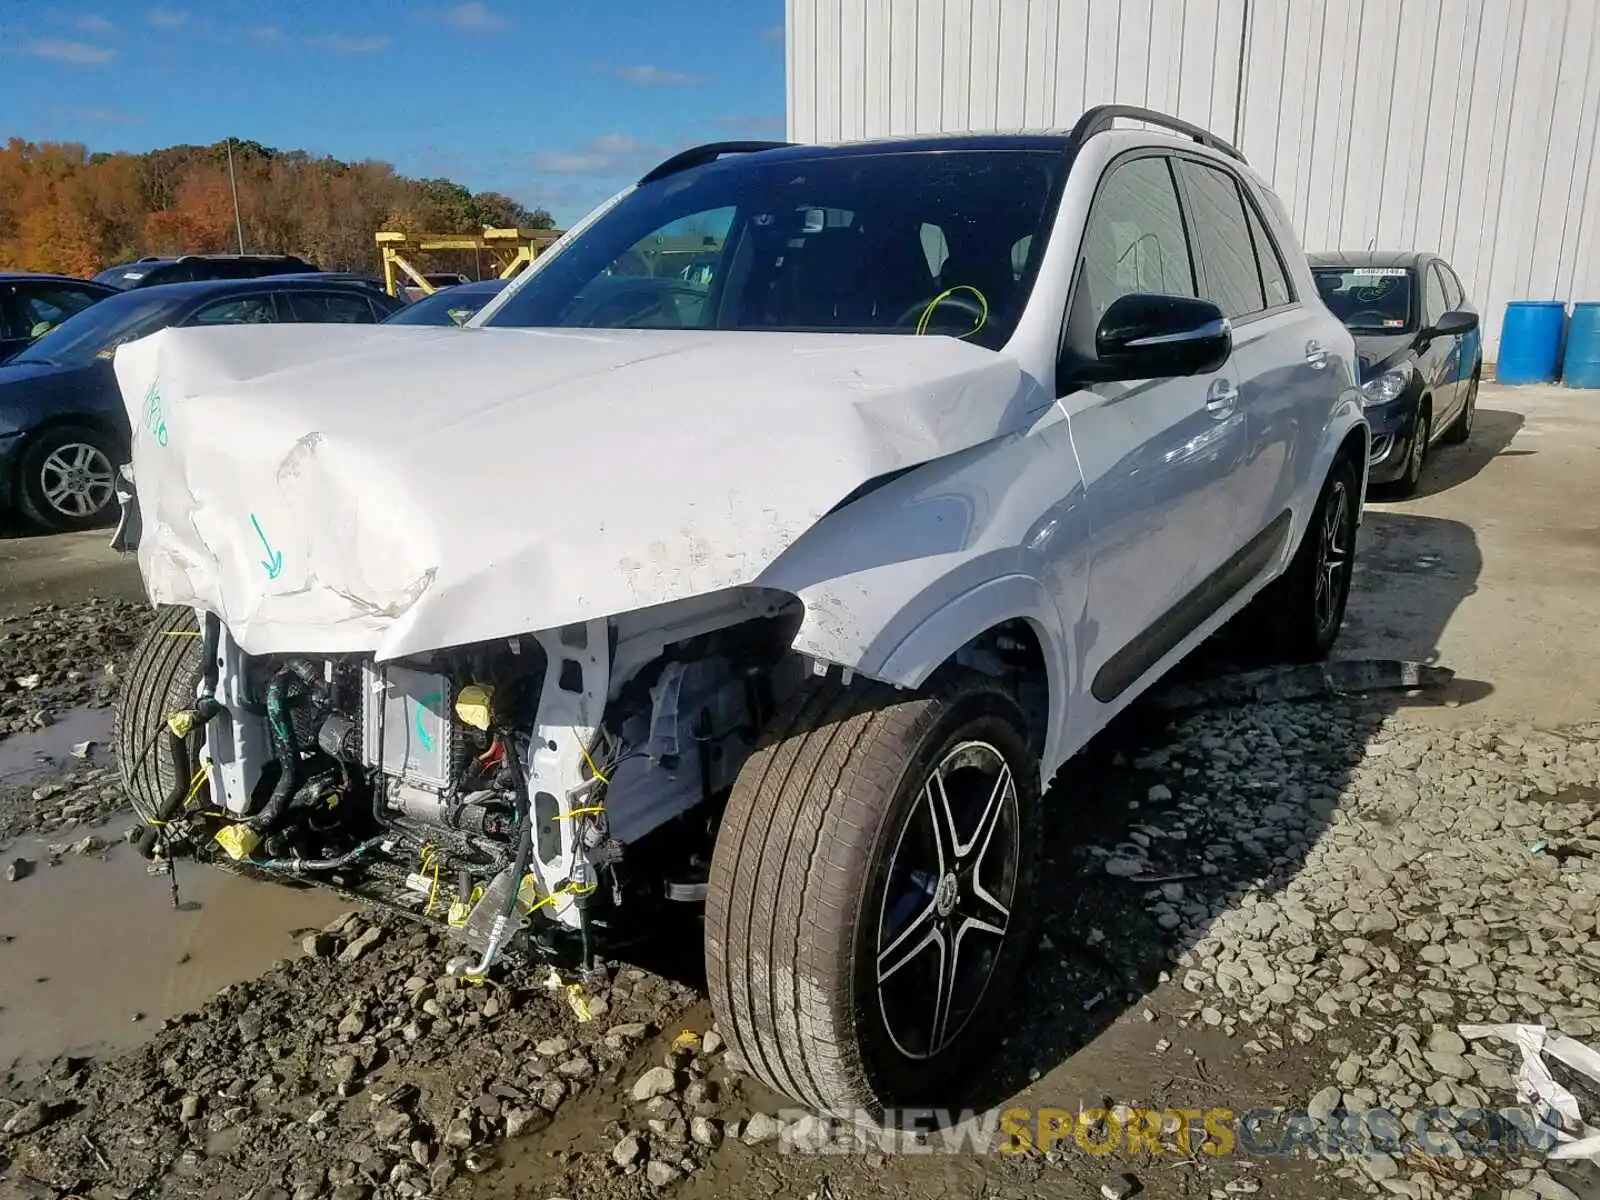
1530,341
1581,367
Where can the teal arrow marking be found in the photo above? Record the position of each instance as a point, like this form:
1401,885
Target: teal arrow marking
420,725
273,562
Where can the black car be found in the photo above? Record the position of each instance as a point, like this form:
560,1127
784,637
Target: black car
449,306
1419,348
63,426
32,305
154,271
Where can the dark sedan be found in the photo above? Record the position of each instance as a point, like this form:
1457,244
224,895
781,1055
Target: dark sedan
1419,348
32,305
63,426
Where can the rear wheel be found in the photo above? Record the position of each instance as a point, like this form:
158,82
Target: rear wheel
66,478
163,673
871,893
1304,607
1461,428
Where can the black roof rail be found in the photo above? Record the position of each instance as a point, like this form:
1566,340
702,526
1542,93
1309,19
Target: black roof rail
1099,119
700,155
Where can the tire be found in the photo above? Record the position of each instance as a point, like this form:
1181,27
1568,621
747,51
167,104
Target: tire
813,849
1304,607
163,673
67,478
1416,454
1461,428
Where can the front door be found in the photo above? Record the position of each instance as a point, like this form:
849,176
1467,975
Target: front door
1155,454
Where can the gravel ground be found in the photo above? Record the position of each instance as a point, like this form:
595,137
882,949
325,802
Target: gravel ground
55,659
1290,903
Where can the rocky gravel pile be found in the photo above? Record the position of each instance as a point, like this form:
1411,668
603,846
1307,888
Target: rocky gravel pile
58,656
355,1069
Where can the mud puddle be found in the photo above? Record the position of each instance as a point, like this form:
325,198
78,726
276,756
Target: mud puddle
28,757
87,944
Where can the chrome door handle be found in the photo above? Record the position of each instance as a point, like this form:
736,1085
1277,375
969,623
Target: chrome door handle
1221,398
1316,355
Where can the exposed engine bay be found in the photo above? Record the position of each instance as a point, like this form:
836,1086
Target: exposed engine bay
499,786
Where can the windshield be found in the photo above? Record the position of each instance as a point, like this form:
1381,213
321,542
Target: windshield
125,275
897,242
1369,299
450,307
102,328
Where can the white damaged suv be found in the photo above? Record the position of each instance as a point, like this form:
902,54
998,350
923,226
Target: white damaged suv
768,546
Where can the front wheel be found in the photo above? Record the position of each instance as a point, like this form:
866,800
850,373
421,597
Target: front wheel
1416,454
872,891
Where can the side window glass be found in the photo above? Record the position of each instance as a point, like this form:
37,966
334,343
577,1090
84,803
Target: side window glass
1222,238
327,308
1454,296
1135,239
1433,301
41,309
236,310
1274,275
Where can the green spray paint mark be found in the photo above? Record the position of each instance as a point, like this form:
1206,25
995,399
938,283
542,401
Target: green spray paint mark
154,419
420,725
273,562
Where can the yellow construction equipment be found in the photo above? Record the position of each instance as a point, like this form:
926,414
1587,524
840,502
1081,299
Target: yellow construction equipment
510,251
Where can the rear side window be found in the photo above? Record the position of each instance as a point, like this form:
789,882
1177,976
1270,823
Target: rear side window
1232,280
1274,275
1135,239
1434,305
236,310
328,308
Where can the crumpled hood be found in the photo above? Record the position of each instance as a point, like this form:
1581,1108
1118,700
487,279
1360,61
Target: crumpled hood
395,490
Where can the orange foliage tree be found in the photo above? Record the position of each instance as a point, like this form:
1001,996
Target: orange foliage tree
64,209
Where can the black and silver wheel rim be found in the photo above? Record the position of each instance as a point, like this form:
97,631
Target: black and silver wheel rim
1419,450
1334,556
77,480
947,899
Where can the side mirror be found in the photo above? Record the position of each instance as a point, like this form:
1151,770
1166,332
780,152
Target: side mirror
1454,324
1148,337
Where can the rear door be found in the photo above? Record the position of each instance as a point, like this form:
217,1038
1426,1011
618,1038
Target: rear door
1156,454
1279,363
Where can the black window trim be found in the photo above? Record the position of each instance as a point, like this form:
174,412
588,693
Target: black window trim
1247,195
1165,153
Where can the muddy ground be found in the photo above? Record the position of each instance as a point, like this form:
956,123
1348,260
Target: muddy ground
1276,904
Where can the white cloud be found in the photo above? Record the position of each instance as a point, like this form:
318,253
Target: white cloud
609,154
90,23
475,18
647,76
266,33
340,44
772,33
78,53
167,18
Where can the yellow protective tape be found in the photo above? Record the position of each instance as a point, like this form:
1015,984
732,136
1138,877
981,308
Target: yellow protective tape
239,841
475,705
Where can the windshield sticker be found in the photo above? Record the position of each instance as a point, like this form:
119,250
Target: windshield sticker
1393,323
1364,272
154,419
133,274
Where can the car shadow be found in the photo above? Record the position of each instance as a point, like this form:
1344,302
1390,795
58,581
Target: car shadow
1447,466
1183,794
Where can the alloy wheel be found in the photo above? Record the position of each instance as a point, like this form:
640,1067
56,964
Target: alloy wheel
77,480
1334,556
947,899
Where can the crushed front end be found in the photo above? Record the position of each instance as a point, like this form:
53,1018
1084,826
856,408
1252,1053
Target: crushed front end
541,783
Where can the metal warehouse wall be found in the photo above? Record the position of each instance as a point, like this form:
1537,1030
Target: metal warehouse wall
1463,126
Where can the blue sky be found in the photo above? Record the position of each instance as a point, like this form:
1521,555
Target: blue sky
555,102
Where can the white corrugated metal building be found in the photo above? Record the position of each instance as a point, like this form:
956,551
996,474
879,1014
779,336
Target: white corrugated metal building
1470,127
